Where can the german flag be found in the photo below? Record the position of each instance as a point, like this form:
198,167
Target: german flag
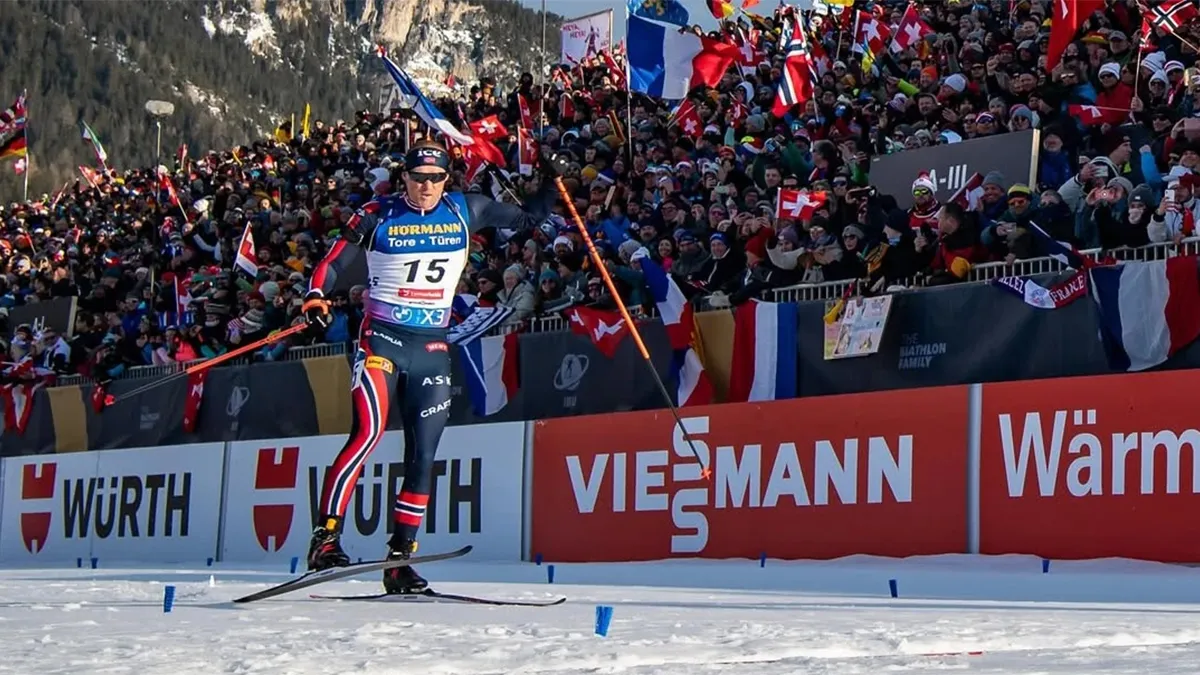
720,9
12,143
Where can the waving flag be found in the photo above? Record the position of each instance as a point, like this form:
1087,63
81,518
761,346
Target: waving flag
1148,310
694,387
667,64
90,136
489,363
799,76
1034,294
764,352
424,108
246,258
605,329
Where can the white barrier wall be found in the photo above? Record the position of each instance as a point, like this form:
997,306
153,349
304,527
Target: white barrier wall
142,504
274,490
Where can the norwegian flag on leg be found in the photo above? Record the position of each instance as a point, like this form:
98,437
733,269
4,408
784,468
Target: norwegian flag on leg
798,204
796,85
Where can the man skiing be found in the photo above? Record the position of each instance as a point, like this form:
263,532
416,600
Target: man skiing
416,246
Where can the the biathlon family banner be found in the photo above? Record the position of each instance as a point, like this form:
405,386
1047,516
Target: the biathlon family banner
586,36
950,166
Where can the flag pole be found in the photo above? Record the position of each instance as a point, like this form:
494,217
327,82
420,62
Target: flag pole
628,89
28,163
542,79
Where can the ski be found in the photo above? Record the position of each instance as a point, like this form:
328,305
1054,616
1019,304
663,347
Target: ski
335,573
436,596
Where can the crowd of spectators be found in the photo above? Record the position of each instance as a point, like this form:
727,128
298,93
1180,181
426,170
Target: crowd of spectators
703,206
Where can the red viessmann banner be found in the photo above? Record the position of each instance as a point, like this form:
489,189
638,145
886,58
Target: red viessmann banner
882,473
1092,467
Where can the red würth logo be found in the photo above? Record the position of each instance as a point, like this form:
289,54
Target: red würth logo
276,470
37,482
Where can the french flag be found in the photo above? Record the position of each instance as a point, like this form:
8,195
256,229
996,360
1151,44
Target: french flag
694,387
1148,310
765,347
491,371
665,63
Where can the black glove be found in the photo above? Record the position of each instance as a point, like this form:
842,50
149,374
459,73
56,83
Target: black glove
555,166
316,311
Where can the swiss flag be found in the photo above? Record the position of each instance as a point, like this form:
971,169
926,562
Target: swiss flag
798,204
749,55
1094,116
911,30
871,34
247,254
488,128
526,111
689,120
605,329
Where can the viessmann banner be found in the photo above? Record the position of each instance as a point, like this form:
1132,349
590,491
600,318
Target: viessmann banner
882,474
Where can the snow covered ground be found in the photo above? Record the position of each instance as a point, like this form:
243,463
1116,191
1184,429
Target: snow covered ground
686,617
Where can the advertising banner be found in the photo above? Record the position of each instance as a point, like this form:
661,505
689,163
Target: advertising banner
274,490
57,312
955,335
880,474
146,505
569,376
1094,467
950,166
585,37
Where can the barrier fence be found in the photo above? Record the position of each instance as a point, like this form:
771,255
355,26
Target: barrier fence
1067,468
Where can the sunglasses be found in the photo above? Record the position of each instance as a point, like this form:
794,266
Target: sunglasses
439,177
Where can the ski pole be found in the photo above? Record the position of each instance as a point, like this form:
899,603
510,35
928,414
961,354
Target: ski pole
633,329
216,360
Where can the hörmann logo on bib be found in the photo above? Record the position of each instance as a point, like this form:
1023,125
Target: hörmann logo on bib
640,494
1091,467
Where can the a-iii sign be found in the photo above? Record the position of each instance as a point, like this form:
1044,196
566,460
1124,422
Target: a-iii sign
950,166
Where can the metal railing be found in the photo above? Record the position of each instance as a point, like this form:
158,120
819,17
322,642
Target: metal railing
830,290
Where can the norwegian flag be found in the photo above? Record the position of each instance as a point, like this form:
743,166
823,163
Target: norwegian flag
911,31
798,204
1171,16
527,152
489,128
796,85
870,33
247,254
22,381
14,117
688,119
1094,116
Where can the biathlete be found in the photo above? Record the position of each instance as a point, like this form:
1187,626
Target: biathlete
416,245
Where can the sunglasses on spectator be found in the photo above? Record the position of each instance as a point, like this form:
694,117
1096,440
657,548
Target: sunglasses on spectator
438,177
840,182
921,192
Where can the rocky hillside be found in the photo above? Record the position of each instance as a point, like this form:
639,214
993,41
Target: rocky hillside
232,68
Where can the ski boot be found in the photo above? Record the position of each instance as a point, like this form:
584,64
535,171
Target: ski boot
403,580
325,549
